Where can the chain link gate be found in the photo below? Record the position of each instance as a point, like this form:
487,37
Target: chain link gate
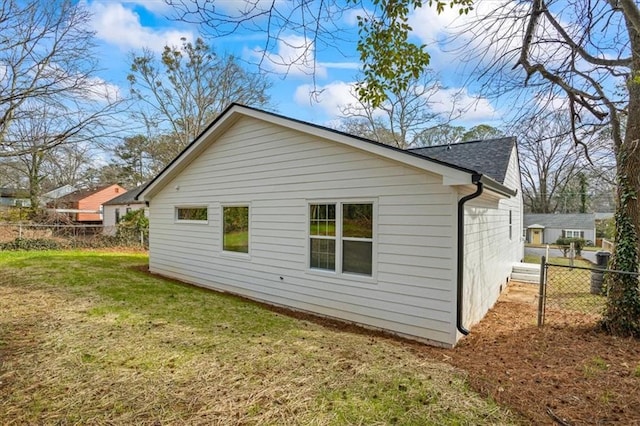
570,294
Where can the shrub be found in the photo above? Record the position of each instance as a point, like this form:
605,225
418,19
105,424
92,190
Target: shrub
31,244
564,243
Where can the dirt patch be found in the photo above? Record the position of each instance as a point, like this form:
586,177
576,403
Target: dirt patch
554,374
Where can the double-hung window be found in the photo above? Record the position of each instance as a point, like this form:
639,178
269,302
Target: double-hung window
341,237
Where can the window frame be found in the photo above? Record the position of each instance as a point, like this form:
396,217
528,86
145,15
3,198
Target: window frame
339,238
230,253
193,206
573,231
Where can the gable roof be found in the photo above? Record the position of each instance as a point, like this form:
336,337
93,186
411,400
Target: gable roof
489,157
83,193
128,197
561,221
452,174
59,192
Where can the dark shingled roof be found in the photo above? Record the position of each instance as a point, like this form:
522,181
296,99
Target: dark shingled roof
561,221
489,157
128,197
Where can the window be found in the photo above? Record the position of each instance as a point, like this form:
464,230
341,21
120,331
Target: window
196,214
322,232
341,237
573,233
510,225
117,215
128,210
235,232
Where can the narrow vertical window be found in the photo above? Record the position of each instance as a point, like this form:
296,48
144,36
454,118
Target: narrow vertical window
117,215
322,234
357,238
510,225
235,233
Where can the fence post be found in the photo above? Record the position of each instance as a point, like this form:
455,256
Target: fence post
597,276
20,231
541,292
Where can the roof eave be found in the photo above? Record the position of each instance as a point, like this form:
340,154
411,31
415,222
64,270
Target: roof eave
498,188
451,174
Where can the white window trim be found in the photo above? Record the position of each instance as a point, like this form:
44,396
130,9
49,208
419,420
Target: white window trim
339,202
191,206
573,231
234,254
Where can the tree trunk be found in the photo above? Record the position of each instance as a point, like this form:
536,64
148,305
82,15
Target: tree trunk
622,315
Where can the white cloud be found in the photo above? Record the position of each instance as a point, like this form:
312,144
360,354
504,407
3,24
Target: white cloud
453,104
329,98
101,90
294,57
120,26
460,105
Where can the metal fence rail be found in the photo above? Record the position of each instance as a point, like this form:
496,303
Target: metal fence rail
572,294
37,236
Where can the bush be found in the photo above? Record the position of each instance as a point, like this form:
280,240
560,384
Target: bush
31,244
565,243
132,225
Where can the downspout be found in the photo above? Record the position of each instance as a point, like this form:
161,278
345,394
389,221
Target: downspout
475,179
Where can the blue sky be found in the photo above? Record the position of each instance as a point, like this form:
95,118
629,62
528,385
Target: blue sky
123,27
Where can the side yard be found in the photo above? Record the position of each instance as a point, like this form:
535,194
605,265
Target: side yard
91,338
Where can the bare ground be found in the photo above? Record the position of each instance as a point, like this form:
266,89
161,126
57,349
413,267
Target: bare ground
558,374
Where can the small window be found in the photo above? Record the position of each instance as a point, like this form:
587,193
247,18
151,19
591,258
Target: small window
198,214
117,215
235,234
510,225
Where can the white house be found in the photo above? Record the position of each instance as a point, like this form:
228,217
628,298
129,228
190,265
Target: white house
115,209
419,243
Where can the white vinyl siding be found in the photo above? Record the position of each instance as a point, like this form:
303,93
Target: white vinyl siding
490,247
280,171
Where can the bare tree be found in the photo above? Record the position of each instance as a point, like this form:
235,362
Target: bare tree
404,115
46,60
586,54
183,91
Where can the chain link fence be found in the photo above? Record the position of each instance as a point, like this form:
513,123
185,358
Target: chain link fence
573,294
29,236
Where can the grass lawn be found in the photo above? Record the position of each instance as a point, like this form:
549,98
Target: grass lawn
87,337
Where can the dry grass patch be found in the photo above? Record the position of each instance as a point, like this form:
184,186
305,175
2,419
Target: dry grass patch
88,338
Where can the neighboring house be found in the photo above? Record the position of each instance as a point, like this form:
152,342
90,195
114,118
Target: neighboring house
116,208
303,216
547,228
50,199
85,205
12,197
